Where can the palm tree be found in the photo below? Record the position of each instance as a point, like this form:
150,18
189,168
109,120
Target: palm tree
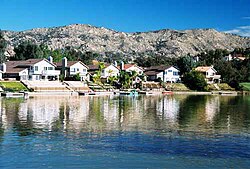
126,79
133,76
97,75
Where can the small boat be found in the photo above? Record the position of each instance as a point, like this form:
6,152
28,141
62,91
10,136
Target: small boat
14,94
149,92
167,92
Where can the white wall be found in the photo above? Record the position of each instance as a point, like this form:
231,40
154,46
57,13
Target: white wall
44,68
78,68
136,69
110,71
24,74
171,75
210,73
159,75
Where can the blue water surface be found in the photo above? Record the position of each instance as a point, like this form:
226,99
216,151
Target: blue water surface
102,142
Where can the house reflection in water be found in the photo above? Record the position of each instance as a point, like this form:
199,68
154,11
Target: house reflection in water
168,109
212,106
41,111
112,113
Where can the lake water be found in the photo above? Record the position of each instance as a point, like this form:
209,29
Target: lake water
182,131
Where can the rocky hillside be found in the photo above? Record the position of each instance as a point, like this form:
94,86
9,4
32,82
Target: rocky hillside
169,43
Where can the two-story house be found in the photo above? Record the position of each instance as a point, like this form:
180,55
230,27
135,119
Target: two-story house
164,73
108,70
132,67
71,68
210,73
135,68
31,69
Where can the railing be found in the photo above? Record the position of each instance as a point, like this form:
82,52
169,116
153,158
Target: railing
214,76
51,72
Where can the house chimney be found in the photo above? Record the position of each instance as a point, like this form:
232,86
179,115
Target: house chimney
3,67
64,66
50,58
122,65
115,63
64,62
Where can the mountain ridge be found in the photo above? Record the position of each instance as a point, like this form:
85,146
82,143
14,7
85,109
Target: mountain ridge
163,42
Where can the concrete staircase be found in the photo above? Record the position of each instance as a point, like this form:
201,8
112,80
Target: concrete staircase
42,86
216,86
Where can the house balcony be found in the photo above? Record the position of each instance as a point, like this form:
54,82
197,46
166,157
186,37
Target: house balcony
80,73
214,77
50,73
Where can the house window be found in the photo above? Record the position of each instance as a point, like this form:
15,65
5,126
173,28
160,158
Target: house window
45,68
84,70
77,69
36,68
31,67
50,68
207,73
73,70
140,72
175,73
169,70
103,71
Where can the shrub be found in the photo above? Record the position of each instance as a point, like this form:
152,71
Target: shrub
195,81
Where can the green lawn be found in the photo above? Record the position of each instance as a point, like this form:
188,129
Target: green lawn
245,86
13,86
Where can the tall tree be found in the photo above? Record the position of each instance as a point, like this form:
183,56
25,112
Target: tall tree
29,50
195,81
3,45
185,64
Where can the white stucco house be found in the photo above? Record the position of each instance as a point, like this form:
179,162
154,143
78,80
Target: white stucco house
109,70
132,67
165,73
31,69
42,69
135,68
71,68
210,73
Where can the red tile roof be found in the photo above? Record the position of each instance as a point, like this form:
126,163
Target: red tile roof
203,68
127,66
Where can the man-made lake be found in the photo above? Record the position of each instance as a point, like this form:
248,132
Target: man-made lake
182,131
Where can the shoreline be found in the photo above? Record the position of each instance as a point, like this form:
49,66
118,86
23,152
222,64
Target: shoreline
117,93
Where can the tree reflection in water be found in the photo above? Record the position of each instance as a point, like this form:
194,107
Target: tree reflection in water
198,113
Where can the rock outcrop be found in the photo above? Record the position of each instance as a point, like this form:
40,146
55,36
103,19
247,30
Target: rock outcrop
166,43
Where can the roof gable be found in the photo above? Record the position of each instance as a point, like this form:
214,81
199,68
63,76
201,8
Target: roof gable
70,63
204,68
110,65
128,66
160,68
35,61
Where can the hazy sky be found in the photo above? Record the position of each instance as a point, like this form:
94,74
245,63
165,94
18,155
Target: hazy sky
128,15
